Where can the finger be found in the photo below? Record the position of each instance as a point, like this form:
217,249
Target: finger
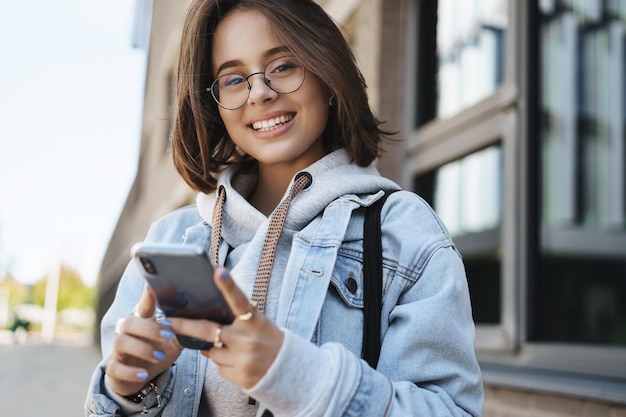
124,372
235,298
159,335
130,350
146,305
200,329
125,379
147,329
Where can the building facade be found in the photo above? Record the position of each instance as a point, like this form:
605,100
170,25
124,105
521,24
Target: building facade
512,116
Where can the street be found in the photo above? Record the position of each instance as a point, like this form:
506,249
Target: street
51,380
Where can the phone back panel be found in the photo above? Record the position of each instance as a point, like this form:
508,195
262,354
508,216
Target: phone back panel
181,277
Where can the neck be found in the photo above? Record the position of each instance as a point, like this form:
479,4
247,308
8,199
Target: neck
274,178
270,188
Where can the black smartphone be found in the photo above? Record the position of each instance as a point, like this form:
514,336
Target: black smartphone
181,277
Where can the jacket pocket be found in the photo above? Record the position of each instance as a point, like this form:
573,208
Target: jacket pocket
347,277
341,318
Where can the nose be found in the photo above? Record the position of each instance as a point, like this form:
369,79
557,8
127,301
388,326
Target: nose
260,90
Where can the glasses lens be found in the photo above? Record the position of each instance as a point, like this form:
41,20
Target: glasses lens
285,74
230,90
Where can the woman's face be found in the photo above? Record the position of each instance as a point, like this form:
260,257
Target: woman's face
243,43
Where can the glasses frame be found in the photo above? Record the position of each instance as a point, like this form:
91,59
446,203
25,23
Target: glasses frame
267,82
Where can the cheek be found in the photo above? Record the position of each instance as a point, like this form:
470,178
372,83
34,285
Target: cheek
231,119
316,96
318,113
224,115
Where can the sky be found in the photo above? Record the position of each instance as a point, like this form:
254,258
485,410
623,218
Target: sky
71,97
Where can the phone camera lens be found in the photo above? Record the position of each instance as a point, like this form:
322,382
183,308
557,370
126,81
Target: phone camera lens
148,265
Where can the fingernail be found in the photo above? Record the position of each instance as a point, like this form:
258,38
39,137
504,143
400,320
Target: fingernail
158,355
165,323
142,375
166,334
224,274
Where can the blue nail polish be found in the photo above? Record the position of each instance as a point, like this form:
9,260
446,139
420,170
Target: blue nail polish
165,323
158,355
166,334
224,274
142,375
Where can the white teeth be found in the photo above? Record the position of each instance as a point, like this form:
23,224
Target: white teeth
270,124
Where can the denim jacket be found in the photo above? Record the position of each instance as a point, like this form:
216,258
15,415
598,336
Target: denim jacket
427,364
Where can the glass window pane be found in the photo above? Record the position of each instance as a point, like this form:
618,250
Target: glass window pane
467,192
470,52
582,300
582,262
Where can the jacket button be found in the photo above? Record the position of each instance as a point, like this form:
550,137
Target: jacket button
187,392
351,285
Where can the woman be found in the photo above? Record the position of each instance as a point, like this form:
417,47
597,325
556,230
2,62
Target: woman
274,131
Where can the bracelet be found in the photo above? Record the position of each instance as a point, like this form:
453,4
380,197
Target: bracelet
140,397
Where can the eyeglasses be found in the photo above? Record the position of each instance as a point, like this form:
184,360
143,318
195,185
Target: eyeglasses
283,75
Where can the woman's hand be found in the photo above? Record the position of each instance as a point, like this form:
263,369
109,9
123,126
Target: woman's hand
142,349
249,345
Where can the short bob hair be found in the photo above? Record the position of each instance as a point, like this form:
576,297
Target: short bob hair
201,146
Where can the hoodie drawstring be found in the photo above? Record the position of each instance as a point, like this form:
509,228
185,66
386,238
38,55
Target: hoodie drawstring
216,231
274,230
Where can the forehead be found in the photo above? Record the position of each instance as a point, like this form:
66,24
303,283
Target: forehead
243,35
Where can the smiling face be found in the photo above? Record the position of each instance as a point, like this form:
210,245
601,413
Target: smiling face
280,131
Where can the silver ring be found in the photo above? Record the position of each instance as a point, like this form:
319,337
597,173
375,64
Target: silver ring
217,341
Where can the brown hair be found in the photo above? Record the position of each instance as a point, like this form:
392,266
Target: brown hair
201,146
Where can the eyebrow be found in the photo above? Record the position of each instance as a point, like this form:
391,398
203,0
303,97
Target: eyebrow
236,62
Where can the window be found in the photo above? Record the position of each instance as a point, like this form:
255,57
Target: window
470,42
581,274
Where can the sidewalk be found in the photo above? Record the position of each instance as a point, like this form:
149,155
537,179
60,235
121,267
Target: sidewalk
49,380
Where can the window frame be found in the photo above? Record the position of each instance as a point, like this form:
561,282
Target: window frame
594,372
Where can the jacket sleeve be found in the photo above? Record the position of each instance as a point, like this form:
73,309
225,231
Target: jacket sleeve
100,401
427,364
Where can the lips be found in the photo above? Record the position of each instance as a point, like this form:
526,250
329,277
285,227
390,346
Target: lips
271,124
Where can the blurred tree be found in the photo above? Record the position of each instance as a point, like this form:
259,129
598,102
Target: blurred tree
18,292
72,291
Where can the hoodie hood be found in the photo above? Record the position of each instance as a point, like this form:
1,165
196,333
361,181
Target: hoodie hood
332,176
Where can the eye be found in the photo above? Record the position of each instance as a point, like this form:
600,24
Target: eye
282,66
231,81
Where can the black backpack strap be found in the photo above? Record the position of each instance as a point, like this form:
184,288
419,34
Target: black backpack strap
372,281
